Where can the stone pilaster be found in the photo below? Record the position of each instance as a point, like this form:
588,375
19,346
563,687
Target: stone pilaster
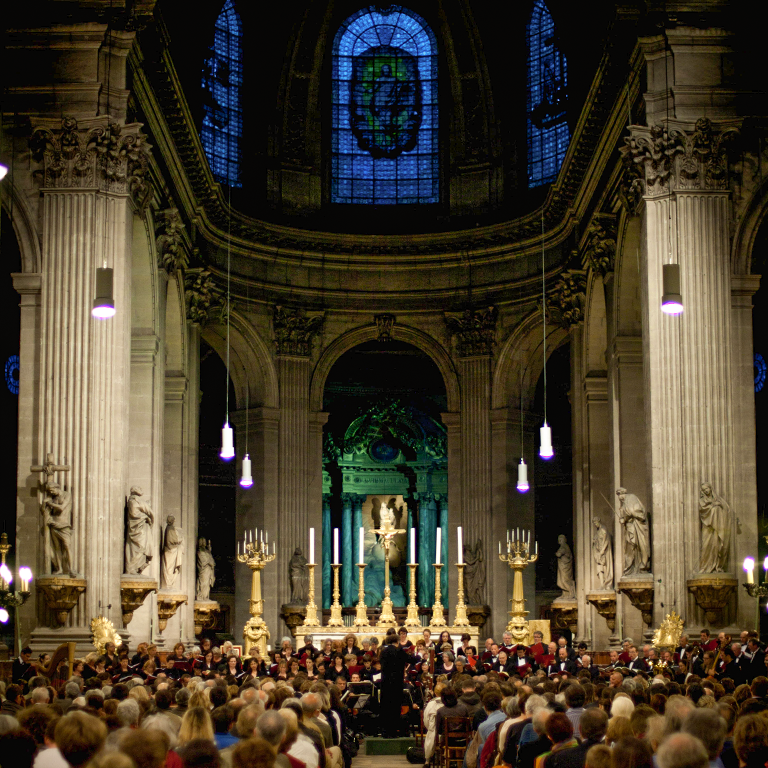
87,174
689,374
257,507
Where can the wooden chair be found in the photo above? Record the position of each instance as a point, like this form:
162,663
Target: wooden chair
454,740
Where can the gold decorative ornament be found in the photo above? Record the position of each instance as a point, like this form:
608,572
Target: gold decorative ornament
667,636
103,632
256,555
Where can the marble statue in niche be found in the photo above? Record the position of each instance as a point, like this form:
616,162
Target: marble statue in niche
637,536
173,552
206,570
716,524
565,569
299,573
138,533
602,554
474,560
57,511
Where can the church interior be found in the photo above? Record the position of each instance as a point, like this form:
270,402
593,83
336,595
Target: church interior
345,317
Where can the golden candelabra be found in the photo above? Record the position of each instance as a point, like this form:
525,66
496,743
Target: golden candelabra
438,615
412,620
461,619
336,620
310,619
256,632
518,557
387,532
361,619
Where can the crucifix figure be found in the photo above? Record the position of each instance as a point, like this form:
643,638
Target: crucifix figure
386,533
47,471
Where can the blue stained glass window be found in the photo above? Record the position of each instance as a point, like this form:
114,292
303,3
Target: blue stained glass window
760,371
384,131
222,129
548,133
12,370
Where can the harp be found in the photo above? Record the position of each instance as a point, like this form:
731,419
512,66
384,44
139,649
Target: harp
64,651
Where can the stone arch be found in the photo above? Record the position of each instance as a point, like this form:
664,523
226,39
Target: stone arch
251,367
524,343
406,333
23,227
144,278
626,309
747,230
175,326
595,319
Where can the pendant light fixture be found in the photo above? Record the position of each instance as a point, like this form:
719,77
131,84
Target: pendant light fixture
246,480
3,171
104,303
545,446
671,298
227,437
522,467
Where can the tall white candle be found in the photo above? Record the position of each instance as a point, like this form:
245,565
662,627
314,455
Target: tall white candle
335,546
362,545
413,545
312,546
461,548
437,549
500,546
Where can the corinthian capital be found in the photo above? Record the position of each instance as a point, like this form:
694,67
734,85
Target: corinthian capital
566,303
108,157
659,159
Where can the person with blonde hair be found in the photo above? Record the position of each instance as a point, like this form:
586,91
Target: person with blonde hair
196,724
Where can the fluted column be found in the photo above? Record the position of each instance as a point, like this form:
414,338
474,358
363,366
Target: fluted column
357,522
293,520
348,595
86,217
426,546
689,371
325,578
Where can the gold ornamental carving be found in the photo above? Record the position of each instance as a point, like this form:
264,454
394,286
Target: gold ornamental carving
640,594
167,605
206,613
61,594
712,594
256,555
565,614
667,636
605,603
133,593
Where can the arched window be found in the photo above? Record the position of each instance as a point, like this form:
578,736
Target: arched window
548,134
222,105
384,130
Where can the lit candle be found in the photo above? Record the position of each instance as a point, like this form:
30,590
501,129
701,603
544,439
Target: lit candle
362,545
273,548
413,545
437,549
261,536
461,548
507,536
537,548
311,546
335,546
250,536
749,567
500,546
517,534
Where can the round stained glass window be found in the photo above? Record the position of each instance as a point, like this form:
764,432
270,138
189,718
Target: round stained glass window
760,371
383,452
12,374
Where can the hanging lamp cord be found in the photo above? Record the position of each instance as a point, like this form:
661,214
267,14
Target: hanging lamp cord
544,314
229,242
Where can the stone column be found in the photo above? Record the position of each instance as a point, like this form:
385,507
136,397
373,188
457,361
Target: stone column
324,579
28,285
474,333
348,596
316,499
511,509
447,550
357,522
257,508
689,375
86,215
426,546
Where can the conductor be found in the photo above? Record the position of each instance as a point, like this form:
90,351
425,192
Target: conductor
394,660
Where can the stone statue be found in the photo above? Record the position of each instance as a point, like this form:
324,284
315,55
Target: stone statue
716,523
57,510
299,572
206,567
565,569
138,533
602,553
173,552
637,536
475,571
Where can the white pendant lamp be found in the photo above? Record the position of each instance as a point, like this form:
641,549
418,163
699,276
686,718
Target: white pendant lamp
522,477
227,439
104,303
545,446
246,481
227,443
671,300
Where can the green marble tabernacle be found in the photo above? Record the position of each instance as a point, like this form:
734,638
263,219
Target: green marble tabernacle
391,454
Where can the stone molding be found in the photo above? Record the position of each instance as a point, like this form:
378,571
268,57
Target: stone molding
384,325
661,159
201,296
94,154
171,251
294,331
600,249
712,593
474,331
